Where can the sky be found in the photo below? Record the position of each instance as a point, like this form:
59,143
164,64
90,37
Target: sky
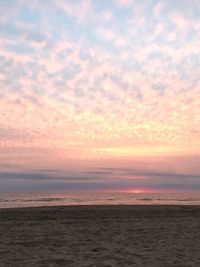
100,95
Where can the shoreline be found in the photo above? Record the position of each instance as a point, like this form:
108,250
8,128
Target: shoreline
117,206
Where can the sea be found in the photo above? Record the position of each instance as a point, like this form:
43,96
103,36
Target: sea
33,199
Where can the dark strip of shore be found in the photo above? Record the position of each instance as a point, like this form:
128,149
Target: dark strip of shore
96,212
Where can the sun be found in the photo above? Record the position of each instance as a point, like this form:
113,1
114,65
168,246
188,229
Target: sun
136,191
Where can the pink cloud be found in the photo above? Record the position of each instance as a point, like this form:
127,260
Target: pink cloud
79,10
125,3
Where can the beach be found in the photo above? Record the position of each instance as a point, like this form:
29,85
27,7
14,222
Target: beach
100,236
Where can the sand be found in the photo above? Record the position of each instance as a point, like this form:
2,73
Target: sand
100,236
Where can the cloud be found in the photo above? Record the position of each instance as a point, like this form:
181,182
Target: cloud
157,9
125,3
105,178
95,81
80,10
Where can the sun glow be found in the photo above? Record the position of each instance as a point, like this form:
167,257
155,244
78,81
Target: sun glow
135,191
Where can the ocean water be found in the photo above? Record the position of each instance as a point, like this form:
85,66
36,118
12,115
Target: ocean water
11,200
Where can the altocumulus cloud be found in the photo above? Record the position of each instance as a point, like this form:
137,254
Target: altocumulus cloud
99,80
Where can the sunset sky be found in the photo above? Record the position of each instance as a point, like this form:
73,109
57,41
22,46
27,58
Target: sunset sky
100,95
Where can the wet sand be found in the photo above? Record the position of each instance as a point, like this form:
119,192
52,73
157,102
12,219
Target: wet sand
100,236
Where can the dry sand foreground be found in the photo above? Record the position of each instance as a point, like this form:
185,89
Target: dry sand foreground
100,236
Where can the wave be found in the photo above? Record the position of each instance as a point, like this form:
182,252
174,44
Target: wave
33,200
